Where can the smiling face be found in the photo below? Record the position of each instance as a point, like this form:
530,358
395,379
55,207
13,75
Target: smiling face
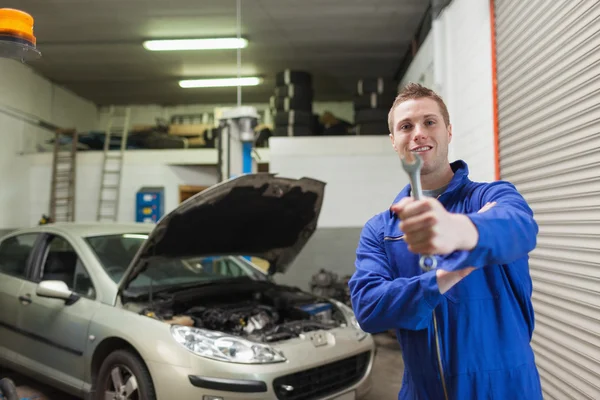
418,126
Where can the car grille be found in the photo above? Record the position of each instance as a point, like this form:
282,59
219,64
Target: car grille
323,380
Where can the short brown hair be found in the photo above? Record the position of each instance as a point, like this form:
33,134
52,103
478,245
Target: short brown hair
416,91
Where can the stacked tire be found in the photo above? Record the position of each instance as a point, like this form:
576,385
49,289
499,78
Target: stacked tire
292,104
372,103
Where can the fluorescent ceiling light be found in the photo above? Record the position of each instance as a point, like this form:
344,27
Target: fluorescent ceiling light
220,82
135,236
195,44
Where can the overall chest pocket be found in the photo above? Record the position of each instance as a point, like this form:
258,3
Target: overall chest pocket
478,285
404,263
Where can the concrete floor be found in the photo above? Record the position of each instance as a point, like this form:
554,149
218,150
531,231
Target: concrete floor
387,376
387,370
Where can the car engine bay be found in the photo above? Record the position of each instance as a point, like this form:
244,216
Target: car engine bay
261,312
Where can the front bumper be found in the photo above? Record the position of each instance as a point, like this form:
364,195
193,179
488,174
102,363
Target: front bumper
308,370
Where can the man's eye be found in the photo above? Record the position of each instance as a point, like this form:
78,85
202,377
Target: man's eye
430,122
403,127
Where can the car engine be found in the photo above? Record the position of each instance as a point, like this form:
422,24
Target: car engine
275,314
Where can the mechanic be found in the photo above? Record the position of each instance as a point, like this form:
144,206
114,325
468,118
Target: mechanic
464,327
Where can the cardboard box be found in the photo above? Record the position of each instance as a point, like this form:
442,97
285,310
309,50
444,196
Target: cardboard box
192,130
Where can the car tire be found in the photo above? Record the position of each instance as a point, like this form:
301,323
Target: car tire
8,389
129,366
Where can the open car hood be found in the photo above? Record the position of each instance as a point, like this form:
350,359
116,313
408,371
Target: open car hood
258,215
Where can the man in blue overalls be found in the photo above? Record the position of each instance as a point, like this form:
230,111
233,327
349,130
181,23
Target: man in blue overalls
465,327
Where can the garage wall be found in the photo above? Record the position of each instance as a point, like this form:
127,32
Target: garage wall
363,176
363,173
141,168
421,69
456,59
22,89
467,83
332,249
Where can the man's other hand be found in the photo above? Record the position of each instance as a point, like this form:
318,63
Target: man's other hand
429,229
446,280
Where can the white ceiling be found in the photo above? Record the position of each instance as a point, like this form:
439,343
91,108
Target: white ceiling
94,47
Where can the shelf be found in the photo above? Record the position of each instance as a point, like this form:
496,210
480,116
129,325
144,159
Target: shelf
200,157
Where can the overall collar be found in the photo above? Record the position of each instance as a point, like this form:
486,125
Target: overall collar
461,176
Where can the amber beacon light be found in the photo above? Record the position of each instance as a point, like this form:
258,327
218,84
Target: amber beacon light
16,35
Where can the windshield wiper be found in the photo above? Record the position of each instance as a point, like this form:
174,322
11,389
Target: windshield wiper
193,285
162,291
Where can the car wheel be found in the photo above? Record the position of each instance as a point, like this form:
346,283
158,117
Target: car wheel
123,376
8,390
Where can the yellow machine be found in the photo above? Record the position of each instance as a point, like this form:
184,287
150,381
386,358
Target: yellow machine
16,35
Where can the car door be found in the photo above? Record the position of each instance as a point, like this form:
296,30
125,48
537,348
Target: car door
56,330
15,257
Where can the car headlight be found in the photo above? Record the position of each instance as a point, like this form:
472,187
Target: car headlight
351,320
223,347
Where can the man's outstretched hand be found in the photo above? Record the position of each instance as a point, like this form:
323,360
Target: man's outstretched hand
430,229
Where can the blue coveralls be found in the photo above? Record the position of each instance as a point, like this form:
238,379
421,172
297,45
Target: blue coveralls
485,322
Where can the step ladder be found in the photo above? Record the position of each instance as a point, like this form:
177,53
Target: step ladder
112,164
64,165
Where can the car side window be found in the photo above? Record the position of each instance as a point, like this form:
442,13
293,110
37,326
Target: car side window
229,268
14,254
63,264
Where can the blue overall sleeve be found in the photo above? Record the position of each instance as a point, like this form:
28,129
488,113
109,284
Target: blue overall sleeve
507,231
382,302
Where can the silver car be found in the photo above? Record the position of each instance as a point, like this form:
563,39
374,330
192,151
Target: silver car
177,310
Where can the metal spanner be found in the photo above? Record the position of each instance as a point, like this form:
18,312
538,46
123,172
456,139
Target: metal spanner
426,262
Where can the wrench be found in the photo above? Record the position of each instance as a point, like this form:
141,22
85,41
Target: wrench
426,262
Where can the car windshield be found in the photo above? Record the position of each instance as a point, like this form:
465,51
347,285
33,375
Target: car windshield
115,253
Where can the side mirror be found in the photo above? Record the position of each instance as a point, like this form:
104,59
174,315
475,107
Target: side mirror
56,290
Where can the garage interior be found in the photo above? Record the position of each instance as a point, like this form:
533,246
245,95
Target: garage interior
105,120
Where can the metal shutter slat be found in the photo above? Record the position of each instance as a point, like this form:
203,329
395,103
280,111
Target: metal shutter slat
526,51
533,32
559,181
559,374
516,28
549,120
507,9
546,120
581,300
579,169
544,261
523,93
553,391
575,187
540,97
591,340
554,54
576,314
553,212
576,126
588,243
563,246
554,183
548,165
573,374
581,200
578,354
580,283
553,86
576,227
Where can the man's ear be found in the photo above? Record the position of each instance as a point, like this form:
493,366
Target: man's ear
449,133
391,135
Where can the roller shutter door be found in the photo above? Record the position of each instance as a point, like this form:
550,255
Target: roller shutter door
548,77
